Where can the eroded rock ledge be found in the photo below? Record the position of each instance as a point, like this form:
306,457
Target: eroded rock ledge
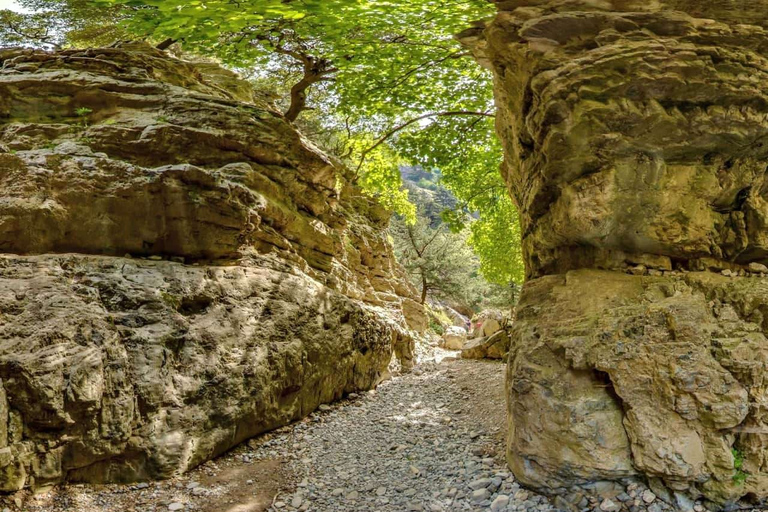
636,142
181,269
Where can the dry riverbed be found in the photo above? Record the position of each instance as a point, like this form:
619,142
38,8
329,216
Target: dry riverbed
429,441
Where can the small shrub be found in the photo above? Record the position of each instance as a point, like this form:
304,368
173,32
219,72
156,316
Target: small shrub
738,463
83,113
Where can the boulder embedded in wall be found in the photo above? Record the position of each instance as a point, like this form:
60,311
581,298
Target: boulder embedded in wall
454,338
415,315
182,270
635,141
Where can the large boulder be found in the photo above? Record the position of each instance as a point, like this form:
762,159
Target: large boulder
454,338
487,322
635,140
181,269
495,346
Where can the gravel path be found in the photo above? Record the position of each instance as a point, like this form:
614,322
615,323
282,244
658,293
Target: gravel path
430,441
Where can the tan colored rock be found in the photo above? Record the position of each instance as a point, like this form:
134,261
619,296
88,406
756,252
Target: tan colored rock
634,140
454,338
181,269
415,315
486,323
491,326
491,347
596,123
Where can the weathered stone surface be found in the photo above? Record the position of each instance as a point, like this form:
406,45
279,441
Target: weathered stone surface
487,322
631,131
415,315
635,142
494,346
454,338
657,378
182,270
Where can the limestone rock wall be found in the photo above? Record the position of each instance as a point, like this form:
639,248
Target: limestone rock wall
181,270
636,145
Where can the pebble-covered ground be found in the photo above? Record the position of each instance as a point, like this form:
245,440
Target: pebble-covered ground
428,441
431,440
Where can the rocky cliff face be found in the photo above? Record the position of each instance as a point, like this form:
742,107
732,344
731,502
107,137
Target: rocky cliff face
181,270
636,144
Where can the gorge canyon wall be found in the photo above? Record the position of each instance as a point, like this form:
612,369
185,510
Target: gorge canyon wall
636,148
180,269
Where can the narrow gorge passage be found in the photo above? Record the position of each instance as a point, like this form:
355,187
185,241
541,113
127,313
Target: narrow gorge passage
429,440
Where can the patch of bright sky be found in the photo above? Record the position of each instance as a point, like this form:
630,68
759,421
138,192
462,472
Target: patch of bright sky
12,5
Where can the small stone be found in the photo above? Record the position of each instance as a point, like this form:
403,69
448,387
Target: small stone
610,506
297,501
155,257
500,503
175,506
480,483
198,491
381,491
192,485
353,495
757,267
337,492
648,496
638,270
415,507
279,504
324,408
479,495
726,273
142,485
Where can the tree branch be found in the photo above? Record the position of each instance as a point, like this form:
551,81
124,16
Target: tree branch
406,124
166,44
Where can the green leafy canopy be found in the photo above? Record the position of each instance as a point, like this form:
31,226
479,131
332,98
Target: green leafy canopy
368,69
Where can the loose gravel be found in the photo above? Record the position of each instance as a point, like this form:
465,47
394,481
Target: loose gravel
431,440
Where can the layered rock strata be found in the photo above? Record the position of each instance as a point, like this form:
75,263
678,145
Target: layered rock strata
181,270
636,143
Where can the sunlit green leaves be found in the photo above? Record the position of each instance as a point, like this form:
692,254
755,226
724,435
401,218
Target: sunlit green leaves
394,60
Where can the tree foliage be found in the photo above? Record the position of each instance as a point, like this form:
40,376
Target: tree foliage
442,266
53,24
380,83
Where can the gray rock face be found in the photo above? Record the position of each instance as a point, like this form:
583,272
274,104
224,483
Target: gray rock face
182,270
635,148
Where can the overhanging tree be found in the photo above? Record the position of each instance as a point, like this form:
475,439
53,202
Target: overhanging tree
386,77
